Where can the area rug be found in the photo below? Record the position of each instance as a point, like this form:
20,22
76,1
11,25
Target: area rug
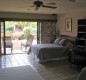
19,73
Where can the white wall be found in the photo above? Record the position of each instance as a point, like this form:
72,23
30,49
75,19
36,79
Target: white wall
75,16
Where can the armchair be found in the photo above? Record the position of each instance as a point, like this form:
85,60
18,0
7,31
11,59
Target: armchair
8,43
27,43
82,75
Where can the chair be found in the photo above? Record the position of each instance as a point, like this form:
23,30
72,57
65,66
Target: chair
77,56
27,43
82,75
8,43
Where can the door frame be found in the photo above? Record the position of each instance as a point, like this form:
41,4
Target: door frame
38,31
2,24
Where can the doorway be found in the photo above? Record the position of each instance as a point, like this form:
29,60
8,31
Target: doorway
13,33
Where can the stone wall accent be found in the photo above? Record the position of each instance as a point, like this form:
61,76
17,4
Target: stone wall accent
48,32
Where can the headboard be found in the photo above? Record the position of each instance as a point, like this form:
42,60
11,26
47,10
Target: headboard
72,39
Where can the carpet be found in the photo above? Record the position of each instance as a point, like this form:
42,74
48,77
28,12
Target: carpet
19,73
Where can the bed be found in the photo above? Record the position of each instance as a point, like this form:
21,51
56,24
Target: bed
46,52
57,50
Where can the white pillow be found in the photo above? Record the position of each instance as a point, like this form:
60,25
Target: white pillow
61,42
57,40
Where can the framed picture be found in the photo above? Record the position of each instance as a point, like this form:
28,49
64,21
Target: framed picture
68,24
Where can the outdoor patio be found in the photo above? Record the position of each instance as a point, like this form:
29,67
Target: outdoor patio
17,47
16,32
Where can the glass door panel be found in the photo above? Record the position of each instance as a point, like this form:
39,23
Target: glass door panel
2,37
38,32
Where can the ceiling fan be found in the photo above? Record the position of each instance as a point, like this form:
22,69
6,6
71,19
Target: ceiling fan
37,4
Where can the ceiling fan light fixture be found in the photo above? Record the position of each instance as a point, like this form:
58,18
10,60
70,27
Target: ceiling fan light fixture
38,3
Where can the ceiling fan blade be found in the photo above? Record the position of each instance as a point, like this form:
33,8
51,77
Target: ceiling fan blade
72,0
32,6
53,7
51,3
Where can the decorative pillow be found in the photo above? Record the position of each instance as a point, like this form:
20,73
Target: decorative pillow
57,40
66,42
70,44
61,42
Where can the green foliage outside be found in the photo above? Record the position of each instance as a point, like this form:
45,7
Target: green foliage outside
27,32
8,31
27,27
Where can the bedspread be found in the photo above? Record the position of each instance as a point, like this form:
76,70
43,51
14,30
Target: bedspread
48,51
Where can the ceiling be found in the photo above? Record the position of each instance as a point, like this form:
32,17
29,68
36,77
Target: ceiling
24,6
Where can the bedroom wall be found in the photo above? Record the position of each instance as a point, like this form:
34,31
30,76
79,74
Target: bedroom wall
75,16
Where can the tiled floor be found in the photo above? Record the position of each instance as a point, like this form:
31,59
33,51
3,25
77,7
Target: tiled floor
53,70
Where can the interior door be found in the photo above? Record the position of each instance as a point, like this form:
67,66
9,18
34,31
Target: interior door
2,37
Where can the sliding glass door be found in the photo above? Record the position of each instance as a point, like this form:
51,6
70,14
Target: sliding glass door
5,29
38,32
2,37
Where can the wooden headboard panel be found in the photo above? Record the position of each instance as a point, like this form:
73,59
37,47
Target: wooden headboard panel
73,39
